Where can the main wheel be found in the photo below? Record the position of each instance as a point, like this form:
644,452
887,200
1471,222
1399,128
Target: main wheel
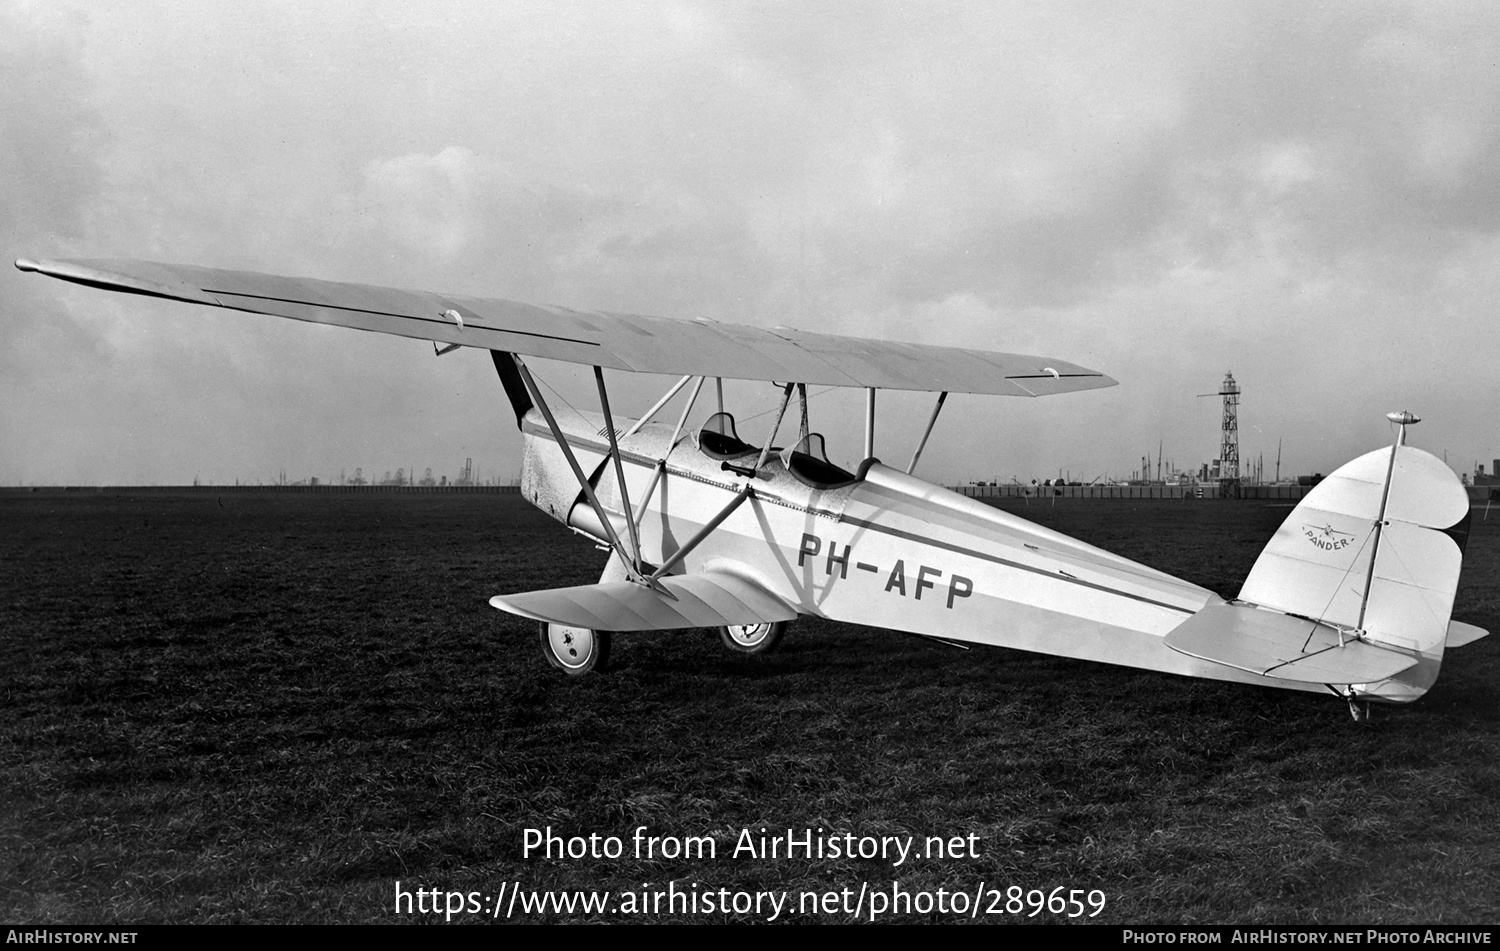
574,650
753,638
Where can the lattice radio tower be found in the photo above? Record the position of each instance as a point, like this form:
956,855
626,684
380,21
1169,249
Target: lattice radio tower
1229,443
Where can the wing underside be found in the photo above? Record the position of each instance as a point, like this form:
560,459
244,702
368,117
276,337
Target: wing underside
617,341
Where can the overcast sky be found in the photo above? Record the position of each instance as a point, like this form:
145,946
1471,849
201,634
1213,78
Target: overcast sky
1305,194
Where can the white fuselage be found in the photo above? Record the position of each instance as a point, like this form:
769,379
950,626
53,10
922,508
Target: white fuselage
890,551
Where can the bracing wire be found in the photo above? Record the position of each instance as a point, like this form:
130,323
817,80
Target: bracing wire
1340,586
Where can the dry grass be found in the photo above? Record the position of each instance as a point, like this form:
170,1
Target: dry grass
272,708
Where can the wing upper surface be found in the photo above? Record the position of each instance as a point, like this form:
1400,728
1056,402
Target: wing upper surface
617,341
706,599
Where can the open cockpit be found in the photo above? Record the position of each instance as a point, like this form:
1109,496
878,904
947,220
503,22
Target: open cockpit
718,439
807,461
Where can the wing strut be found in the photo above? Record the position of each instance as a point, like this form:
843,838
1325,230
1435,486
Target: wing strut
802,398
657,408
927,432
870,422
567,450
751,472
745,492
661,464
614,450
786,396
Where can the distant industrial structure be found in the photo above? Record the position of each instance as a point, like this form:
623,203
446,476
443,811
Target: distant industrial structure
1228,467
1224,477
401,478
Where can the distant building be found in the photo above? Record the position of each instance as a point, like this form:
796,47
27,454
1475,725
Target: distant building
1490,478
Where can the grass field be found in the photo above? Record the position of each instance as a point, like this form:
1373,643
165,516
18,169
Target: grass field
263,708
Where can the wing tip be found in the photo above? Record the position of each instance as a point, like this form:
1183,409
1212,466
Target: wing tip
126,276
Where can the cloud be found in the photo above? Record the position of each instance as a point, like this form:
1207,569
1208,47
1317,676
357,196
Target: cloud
1163,191
50,141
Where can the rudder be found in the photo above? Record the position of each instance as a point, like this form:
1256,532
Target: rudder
1318,565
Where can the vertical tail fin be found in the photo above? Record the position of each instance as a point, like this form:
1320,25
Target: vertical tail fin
1390,580
1356,588
1317,564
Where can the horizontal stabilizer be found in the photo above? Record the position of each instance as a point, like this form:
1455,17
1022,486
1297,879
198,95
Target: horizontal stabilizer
707,599
1282,646
1460,633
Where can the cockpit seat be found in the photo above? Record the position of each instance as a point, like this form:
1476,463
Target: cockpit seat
718,439
807,461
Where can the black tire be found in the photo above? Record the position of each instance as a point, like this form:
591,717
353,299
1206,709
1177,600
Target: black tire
753,638
574,650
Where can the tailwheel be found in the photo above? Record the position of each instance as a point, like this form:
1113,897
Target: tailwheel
1359,709
753,638
574,650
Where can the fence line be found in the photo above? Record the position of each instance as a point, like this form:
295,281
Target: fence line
1264,493
308,489
1477,493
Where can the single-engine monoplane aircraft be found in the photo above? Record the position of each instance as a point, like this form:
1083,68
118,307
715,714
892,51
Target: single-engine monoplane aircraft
1353,595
